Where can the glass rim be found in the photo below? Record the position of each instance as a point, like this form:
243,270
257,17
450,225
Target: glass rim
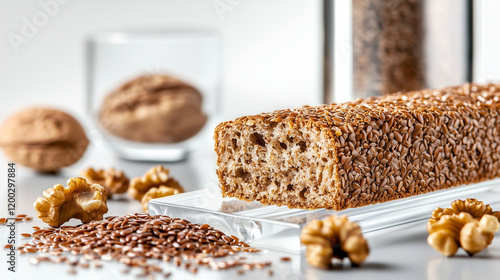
121,36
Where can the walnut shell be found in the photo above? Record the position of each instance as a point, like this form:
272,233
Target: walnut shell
114,181
153,193
78,200
43,139
153,108
155,177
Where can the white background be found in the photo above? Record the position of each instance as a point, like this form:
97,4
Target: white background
271,49
487,39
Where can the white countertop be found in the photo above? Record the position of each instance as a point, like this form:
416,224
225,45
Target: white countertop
397,255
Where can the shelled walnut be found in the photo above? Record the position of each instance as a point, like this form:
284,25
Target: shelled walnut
471,205
114,181
155,177
78,200
333,237
477,235
469,224
153,193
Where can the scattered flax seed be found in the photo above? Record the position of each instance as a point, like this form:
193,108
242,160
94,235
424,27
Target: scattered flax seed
241,272
286,259
84,265
193,269
25,235
19,218
59,259
270,273
31,250
71,271
8,246
248,266
136,238
97,265
167,275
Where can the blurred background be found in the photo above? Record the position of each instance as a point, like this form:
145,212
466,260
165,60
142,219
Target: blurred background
272,52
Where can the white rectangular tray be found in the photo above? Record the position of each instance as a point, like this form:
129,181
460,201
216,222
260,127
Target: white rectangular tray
279,227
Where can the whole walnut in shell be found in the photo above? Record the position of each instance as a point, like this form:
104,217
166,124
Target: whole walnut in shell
154,178
114,181
43,139
153,108
78,200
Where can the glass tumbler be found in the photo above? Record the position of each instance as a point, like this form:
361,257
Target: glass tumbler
153,94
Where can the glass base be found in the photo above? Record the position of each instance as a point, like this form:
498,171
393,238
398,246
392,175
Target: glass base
279,227
155,152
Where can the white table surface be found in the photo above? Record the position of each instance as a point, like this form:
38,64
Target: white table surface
397,255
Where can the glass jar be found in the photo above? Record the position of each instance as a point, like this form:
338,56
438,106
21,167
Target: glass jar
154,95
377,47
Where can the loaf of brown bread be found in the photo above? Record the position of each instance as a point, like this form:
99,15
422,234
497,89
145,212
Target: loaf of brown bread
363,152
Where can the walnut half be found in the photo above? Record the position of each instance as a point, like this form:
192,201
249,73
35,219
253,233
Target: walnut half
477,235
471,205
155,177
333,237
469,224
78,200
114,181
153,193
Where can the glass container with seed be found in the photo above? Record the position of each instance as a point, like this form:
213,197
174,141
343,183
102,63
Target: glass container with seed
376,47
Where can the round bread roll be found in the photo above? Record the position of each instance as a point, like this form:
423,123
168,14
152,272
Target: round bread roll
42,138
153,108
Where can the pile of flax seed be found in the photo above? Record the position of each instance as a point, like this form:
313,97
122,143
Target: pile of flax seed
134,239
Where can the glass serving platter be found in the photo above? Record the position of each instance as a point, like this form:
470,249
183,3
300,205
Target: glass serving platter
276,227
